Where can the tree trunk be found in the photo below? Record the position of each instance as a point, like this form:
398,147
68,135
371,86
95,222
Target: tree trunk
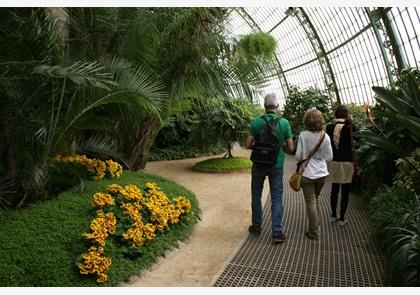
229,151
139,144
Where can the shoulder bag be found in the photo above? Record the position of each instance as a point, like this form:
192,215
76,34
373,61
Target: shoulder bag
295,181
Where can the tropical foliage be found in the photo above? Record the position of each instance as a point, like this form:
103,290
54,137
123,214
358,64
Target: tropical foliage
390,157
209,125
394,132
103,82
395,216
299,101
227,121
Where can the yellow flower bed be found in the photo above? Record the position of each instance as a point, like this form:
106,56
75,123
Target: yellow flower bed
95,167
128,201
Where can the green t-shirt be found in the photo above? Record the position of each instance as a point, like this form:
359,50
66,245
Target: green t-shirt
284,132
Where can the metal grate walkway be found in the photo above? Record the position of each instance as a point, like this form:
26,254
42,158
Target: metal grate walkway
343,257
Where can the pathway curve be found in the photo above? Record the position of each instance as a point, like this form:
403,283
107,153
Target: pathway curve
225,201
220,251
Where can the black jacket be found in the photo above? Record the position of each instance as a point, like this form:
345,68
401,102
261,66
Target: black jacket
344,153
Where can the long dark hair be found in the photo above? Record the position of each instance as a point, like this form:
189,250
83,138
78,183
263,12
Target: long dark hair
341,112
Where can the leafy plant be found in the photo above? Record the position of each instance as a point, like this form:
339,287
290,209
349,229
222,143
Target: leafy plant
406,176
183,152
358,115
392,132
299,101
227,121
401,107
395,218
258,45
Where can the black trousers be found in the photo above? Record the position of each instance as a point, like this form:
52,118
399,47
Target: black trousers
345,193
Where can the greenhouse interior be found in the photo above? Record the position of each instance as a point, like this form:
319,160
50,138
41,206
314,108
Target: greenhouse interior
130,143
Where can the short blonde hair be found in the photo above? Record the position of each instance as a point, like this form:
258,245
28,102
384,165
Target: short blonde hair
313,120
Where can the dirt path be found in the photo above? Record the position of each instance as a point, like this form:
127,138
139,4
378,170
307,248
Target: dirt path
225,202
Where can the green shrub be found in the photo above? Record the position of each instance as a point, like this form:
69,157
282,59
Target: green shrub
209,124
408,175
358,115
299,101
227,121
393,132
223,164
395,214
183,152
39,246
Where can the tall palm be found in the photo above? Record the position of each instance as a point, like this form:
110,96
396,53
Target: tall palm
48,104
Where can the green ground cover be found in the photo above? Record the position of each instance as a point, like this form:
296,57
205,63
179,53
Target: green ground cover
223,164
39,245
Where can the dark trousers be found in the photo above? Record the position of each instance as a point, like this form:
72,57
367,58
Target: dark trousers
345,193
275,178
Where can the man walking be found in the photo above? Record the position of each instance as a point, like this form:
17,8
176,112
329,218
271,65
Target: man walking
273,171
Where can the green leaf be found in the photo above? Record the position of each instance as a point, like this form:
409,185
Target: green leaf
410,122
389,99
411,90
382,143
81,73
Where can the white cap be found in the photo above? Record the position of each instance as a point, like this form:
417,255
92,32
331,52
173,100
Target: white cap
271,100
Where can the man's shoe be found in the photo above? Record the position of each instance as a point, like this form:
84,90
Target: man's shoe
254,231
333,219
280,238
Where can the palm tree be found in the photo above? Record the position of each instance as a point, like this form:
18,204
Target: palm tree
50,102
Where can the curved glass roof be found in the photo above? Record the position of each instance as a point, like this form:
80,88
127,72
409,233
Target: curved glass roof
341,50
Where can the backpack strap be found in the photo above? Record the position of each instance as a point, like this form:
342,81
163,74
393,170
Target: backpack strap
276,120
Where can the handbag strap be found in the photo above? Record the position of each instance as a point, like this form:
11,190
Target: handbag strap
316,147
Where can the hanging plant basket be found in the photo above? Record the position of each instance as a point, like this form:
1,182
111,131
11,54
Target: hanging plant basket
258,45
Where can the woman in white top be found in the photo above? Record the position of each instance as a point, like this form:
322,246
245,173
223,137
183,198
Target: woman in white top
316,171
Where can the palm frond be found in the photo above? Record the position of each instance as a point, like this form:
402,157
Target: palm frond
136,79
98,146
34,181
140,43
81,73
6,190
29,34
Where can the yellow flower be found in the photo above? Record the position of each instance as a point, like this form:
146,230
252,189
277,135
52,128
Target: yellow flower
101,226
94,263
149,231
152,186
183,204
131,192
114,188
100,200
114,169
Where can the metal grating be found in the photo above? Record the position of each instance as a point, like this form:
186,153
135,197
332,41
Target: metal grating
343,257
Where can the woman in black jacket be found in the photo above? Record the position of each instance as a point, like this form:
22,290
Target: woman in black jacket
341,168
